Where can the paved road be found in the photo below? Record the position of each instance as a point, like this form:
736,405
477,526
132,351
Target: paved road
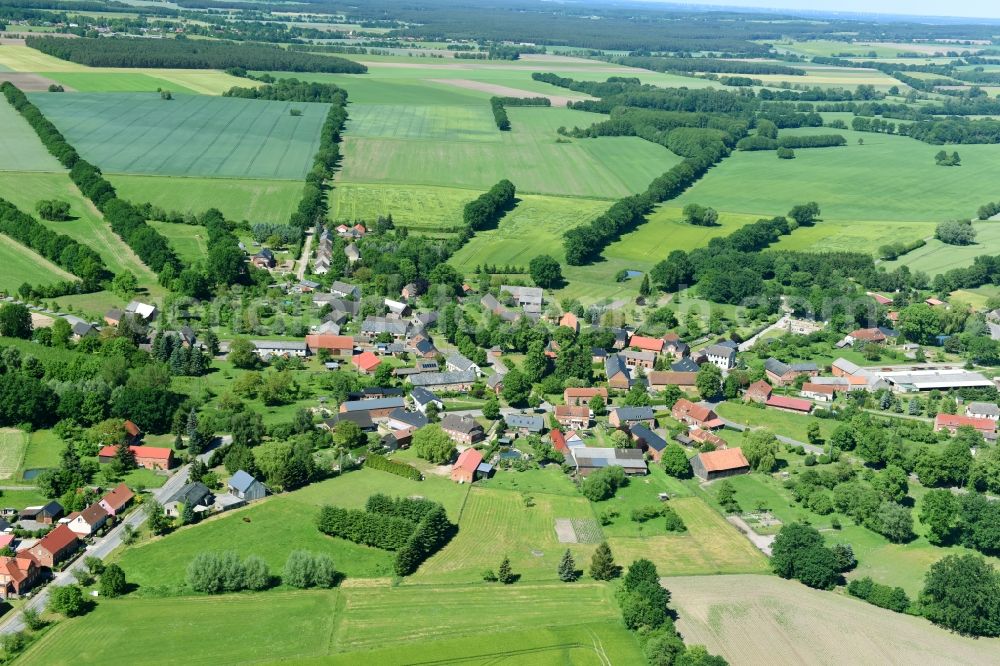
306,248
751,341
102,547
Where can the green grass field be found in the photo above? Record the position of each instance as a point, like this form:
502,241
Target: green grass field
22,265
189,241
414,206
20,149
191,135
252,200
937,257
777,421
88,82
13,443
44,450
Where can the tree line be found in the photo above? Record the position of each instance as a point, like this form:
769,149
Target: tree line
292,90
485,210
188,54
78,259
758,142
713,65
125,219
500,113
313,205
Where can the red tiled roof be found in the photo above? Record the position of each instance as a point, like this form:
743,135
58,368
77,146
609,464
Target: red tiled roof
132,429
468,460
558,441
322,341
933,302
827,389
687,408
671,337
870,334
759,388
569,320
6,540
57,539
957,420
646,344
119,496
154,452
366,361
571,411
585,392
722,460
880,299
784,402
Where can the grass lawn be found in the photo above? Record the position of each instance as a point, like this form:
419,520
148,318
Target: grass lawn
19,499
191,135
777,421
19,139
22,265
252,200
189,241
44,450
978,297
13,443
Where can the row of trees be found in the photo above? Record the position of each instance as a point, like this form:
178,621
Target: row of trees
291,90
713,65
183,53
498,104
485,210
312,206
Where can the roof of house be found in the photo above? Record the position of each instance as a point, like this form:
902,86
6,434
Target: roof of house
376,325
663,378
983,408
527,421
588,392
869,334
391,402
191,493
241,481
279,345
684,365
443,378
58,539
759,387
646,344
647,356
366,361
825,389
422,396
93,514
461,362
694,410
785,402
569,320
588,456
572,411
648,437
468,460
634,413
413,419
152,452
372,392
119,496
338,342
362,419
494,380
132,429
558,441
723,460
723,350
462,424
957,421
614,365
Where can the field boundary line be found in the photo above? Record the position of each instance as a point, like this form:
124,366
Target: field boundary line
461,509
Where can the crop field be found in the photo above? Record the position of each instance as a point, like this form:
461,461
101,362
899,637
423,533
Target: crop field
20,149
125,81
781,621
937,257
828,76
710,545
20,58
580,626
496,523
189,241
26,189
432,123
13,442
529,156
238,199
22,265
414,206
191,135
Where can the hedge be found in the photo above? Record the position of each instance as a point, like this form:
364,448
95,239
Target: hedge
376,461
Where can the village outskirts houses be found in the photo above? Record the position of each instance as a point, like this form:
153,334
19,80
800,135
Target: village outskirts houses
463,429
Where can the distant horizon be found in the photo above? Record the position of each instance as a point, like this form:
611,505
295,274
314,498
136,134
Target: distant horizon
959,9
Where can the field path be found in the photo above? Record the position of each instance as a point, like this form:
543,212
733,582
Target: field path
304,259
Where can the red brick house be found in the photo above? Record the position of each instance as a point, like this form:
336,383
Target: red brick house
337,345
464,469
55,546
117,500
366,362
706,437
150,457
759,391
18,574
582,396
659,380
690,413
952,422
462,429
571,416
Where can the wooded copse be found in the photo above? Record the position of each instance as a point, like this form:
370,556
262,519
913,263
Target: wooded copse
188,54
292,90
484,211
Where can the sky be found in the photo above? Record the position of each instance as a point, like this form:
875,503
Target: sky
968,8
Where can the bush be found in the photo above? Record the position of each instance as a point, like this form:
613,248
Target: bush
214,573
304,569
673,522
883,596
603,483
380,462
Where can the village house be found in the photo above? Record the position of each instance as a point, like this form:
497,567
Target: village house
587,459
571,416
465,468
638,359
444,381
150,457
366,362
525,424
719,464
583,396
351,292
423,398
627,417
722,355
698,436
246,487
400,419
336,345
527,298
694,414
495,382
462,429
377,408
455,362
196,495
952,422
820,392
659,380
373,326
352,252
490,303
117,500
397,308
648,440
570,321
983,410
85,523
617,372
410,291
869,335
263,259
675,347
622,336
759,391
55,546
18,574
268,349
783,374
644,344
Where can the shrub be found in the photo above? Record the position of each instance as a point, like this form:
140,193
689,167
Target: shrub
603,483
380,462
883,596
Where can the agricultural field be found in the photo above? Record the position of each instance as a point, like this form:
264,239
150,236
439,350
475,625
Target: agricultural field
21,265
414,206
19,145
238,199
937,257
189,135
126,81
780,621
13,443
830,77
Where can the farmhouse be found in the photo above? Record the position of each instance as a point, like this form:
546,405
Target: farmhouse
952,422
464,469
820,392
336,345
525,424
117,500
86,522
617,372
648,440
719,464
423,398
444,381
983,410
150,457
458,363
571,416
659,380
722,355
462,429
246,487
378,408
783,374
570,321
55,546
788,404
373,326
267,349
196,495
627,417
528,298
583,396
638,359
694,414
18,574
587,459
759,391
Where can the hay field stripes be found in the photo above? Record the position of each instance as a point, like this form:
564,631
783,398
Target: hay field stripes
13,443
773,621
189,135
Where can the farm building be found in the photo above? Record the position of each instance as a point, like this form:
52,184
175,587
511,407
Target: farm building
267,349
617,372
983,410
821,392
361,419
246,487
788,404
952,422
462,429
444,381
719,463
377,408
648,440
525,424
572,417
659,380
458,363
759,391
587,459
783,374
642,343
366,362
150,457
336,345
694,414
465,468
569,320
722,355
45,514
583,396
527,298
626,417
638,359
196,495
351,292
400,419
55,546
